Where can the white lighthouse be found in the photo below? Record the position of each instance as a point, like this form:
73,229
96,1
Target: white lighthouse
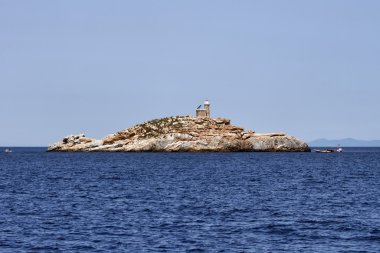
205,111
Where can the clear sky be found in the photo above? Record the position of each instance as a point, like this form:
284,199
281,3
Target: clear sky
309,68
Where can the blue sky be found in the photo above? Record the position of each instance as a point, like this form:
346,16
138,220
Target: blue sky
309,68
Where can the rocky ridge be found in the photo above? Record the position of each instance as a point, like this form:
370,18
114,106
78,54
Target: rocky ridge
183,134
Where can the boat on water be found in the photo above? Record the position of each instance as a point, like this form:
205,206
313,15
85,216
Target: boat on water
337,150
8,150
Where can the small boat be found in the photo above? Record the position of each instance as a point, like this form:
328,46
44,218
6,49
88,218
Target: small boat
337,150
8,150
325,150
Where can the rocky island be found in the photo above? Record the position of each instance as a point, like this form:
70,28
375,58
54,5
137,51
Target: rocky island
183,134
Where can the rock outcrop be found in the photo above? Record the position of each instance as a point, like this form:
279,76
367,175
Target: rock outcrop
183,134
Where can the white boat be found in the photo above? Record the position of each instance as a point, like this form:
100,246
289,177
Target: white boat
8,150
337,150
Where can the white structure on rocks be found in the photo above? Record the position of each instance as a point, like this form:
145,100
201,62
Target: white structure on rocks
205,111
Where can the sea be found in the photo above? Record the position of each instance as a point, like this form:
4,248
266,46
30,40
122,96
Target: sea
190,202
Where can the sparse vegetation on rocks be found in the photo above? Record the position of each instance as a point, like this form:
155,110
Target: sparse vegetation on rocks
183,134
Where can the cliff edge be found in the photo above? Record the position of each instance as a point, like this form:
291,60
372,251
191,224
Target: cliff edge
183,134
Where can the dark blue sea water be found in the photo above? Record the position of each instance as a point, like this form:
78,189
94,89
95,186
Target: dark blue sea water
181,202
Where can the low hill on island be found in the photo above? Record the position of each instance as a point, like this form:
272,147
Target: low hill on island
346,142
183,134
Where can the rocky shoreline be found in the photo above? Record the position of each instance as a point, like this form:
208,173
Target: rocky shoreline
183,134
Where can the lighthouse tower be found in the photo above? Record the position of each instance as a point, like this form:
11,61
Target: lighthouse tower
205,111
206,105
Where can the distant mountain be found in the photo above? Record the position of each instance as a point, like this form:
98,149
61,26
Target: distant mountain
347,142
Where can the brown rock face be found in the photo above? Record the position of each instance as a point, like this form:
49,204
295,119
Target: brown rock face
183,134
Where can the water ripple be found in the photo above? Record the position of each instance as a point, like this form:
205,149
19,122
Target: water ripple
152,202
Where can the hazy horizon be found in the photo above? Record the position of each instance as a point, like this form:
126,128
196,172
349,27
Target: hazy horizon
308,68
